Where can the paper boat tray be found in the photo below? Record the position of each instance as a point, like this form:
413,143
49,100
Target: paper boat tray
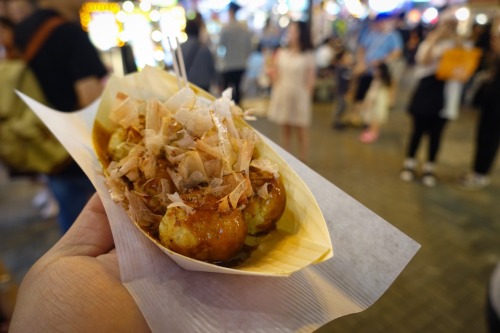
302,237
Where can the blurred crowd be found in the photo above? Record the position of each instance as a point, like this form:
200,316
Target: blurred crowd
360,71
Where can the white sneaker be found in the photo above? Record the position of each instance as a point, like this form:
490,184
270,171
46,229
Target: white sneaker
473,181
41,198
407,175
429,179
50,209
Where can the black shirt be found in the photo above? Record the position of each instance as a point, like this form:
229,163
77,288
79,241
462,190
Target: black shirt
66,57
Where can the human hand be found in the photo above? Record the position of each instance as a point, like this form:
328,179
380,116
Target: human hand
360,68
75,286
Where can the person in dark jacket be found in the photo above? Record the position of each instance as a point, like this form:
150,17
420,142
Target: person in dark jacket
70,72
488,127
199,62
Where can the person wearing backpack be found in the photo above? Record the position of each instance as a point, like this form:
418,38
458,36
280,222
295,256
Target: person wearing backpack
70,73
27,148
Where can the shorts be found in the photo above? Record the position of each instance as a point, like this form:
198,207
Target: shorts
363,85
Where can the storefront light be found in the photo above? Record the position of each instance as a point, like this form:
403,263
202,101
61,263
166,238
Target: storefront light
438,3
332,8
128,6
413,16
90,8
212,5
183,37
159,55
156,35
462,14
123,37
481,19
121,16
103,30
221,51
430,15
154,15
145,6
282,8
384,6
259,20
283,22
355,8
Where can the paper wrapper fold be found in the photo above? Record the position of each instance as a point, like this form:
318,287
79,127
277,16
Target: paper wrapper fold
369,255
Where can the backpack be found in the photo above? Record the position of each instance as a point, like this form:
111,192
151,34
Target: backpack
26,145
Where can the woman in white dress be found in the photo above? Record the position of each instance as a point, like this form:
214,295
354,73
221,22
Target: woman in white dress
294,74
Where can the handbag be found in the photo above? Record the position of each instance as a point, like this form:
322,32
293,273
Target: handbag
458,64
26,145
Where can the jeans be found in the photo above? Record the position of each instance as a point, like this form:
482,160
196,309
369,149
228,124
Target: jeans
72,194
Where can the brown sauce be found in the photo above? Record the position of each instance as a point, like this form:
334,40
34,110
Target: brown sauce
100,138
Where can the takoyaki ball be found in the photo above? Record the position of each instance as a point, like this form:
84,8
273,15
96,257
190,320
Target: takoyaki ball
121,142
204,234
262,212
154,188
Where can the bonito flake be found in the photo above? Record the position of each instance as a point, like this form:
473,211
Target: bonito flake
188,171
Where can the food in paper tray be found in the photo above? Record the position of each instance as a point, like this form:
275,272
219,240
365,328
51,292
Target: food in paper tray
188,172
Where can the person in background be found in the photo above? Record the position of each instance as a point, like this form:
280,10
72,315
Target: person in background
70,74
343,76
293,79
377,103
236,46
493,301
76,286
488,126
325,55
18,10
203,35
43,200
9,50
322,25
380,43
198,59
270,38
434,101
255,80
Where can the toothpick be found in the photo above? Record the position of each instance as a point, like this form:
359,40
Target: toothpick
176,65
181,62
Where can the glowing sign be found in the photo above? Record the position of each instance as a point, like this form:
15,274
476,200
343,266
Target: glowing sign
384,6
91,7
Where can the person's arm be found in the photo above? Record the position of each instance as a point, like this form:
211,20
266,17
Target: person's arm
426,54
273,68
85,67
88,90
360,64
75,286
311,76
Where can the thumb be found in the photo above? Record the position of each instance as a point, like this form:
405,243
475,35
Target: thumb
90,235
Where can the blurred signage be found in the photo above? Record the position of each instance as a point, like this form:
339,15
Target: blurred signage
163,3
485,2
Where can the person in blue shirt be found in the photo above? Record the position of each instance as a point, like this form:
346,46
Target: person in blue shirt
378,44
